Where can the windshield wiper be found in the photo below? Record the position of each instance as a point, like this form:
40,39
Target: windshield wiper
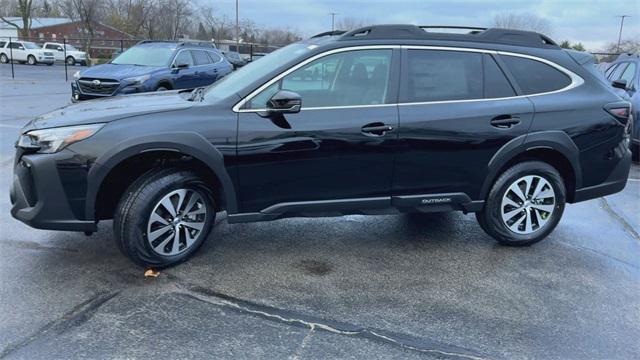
197,94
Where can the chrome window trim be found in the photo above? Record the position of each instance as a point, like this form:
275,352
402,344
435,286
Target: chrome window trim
576,80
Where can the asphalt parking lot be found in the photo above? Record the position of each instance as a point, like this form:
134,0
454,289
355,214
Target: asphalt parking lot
409,286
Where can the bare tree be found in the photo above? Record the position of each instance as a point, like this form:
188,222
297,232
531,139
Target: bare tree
23,8
524,21
351,23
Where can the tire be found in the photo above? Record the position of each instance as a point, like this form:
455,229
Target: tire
70,61
162,88
133,220
31,60
4,59
527,222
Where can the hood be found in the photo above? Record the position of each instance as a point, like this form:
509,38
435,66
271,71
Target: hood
110,109
118,72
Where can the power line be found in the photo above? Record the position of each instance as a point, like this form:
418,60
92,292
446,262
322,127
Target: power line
620,33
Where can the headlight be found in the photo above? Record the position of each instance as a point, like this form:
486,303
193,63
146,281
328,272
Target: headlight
76,75
137,80
55,139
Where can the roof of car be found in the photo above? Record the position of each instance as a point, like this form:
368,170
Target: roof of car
176,43
432,32
627,57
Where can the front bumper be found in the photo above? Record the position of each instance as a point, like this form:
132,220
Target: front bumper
39,198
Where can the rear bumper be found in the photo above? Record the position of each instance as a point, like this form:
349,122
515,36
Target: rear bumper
38,198
614,183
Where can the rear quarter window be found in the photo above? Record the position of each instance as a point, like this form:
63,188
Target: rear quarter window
535,77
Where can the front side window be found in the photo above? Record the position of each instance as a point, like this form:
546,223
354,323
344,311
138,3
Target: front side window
359,77
535,77
438,75
184,57
15,45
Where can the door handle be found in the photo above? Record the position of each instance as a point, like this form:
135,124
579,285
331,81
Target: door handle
376,129
504,121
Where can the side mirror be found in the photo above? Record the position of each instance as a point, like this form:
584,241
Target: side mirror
182,66
284,102
60,49
619,84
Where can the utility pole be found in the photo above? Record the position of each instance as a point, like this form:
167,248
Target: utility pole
237,30
620,33
333,20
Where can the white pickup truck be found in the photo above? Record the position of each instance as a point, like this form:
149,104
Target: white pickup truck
25,51
72,56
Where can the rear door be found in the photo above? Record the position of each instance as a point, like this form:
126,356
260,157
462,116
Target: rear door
337,151
457,108
205,71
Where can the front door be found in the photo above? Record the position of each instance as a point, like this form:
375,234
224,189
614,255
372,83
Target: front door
457,109
18,51
338,147
185,77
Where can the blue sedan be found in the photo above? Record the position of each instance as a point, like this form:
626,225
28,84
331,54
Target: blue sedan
152,66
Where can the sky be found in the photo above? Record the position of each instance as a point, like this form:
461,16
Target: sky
594,23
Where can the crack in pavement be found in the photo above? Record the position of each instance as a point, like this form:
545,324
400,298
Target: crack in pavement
303,344
615,215
77,316
404,341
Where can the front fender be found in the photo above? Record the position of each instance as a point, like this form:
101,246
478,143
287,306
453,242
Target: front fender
188,143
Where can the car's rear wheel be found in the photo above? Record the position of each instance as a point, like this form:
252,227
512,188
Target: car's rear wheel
70,61
4,58
164,217
524,205
31,60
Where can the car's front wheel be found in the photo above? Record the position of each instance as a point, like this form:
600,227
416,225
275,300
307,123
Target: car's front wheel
70,61
31,60
164,217
524,205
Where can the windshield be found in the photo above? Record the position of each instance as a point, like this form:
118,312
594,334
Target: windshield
236,81
71,48
145,56
30,45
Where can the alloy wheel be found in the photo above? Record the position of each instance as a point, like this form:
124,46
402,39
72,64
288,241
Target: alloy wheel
528,204
177,222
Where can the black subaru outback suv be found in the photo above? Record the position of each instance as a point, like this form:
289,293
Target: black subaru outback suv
383,119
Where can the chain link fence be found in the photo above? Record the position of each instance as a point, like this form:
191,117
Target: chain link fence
67,51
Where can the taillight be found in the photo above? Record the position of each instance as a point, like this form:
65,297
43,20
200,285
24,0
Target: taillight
620,110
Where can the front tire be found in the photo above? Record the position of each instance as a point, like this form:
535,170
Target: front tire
164,217
70,61
31,60
524,205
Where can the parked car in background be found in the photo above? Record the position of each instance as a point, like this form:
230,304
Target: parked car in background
624,75
381,120
152,66
25,52
235,59
71,56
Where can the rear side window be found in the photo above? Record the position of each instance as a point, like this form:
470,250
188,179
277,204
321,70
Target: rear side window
200,57
435,75
2,44
496,84
628,73
535,77
214,57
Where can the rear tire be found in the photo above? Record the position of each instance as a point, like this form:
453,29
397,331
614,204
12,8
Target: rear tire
4,59
164,217
524,205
